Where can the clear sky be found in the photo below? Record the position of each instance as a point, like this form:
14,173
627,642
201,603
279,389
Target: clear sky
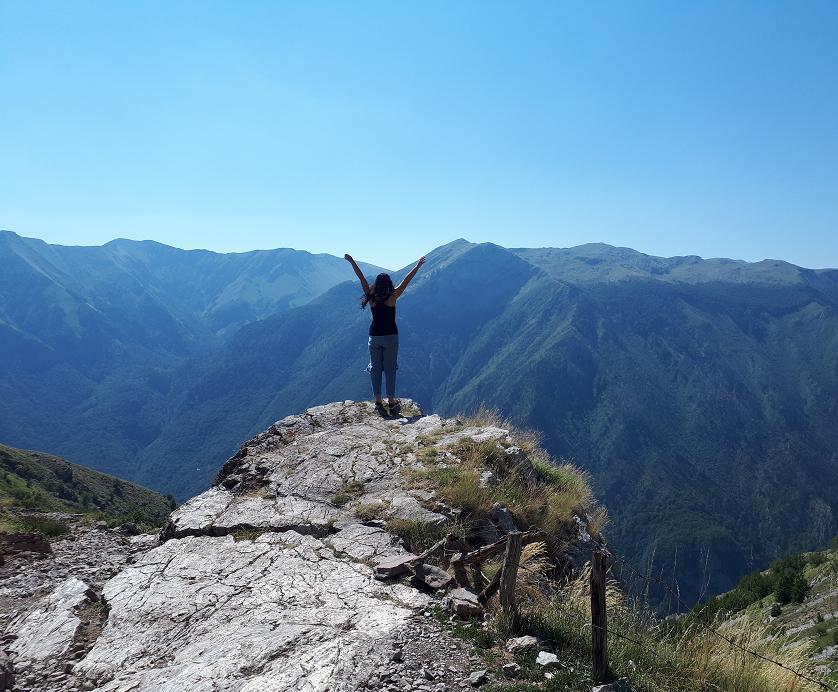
387,128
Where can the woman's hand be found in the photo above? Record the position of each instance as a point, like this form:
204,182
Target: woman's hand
348,258
421,261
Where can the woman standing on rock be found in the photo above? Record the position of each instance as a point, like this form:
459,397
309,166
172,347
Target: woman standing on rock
384,335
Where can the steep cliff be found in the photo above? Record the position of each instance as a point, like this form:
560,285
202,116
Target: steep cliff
298,569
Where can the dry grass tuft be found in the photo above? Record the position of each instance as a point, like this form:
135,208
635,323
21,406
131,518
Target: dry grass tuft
485,417
533,572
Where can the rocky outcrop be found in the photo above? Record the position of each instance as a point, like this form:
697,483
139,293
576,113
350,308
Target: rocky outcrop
11,543
48,630
284,575
50,612
270,613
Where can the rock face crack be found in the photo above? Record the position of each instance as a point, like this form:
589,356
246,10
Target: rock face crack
291,604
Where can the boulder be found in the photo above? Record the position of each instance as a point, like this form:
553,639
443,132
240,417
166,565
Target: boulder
547,660
478,678
487,531
524,643
392,567
511,670
431,576
407,507
503,518
464,603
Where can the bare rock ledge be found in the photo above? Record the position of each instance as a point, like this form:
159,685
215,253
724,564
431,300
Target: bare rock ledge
267,581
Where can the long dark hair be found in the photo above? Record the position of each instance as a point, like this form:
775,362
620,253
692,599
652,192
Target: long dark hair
380,291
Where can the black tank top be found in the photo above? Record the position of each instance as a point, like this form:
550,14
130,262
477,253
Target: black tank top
383,320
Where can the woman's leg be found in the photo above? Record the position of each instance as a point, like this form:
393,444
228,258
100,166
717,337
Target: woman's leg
390,364
376,366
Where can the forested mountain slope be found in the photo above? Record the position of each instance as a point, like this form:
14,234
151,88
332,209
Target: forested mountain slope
703,403
701,394
89,336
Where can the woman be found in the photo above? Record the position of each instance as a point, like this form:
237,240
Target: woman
384,335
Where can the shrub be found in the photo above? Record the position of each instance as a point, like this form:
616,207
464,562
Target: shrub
791,586
340,499
816,559
548,503
46,527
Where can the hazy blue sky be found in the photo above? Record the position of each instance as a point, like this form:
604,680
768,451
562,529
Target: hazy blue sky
386,129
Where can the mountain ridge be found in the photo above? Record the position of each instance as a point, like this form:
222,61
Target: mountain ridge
700,404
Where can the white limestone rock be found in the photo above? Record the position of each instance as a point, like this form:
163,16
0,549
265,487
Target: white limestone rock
48,630
281,612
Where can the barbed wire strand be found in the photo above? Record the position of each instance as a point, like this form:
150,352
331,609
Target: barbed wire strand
674,594
610,629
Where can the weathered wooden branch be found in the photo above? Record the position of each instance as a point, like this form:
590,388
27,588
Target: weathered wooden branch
493,549
433,550
460,575
490,590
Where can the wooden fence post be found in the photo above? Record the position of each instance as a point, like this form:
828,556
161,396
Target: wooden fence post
599,620
509,572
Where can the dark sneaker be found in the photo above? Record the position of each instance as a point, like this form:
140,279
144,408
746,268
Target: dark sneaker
379,408
395,409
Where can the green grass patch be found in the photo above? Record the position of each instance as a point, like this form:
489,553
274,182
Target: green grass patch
369,511
548,503
18,523
418,535
348,491
341,499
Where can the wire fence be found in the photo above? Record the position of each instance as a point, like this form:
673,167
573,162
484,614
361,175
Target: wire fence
611,630
699,617
674,593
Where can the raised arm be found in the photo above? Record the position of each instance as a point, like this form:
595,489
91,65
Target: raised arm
358,273
407,279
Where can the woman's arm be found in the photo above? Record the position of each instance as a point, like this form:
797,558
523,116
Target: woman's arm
406,280
358,273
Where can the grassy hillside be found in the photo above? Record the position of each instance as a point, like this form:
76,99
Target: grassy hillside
554,606
33,480
795,601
